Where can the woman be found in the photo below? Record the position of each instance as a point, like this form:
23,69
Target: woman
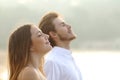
27,47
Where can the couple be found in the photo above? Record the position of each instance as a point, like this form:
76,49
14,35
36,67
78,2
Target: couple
29,44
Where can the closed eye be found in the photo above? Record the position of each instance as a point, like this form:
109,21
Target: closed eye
63,24
39,35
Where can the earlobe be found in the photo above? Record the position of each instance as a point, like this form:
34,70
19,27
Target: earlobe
31,49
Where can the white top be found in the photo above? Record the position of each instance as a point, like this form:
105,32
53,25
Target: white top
60,65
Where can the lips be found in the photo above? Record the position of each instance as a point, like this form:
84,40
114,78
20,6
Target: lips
47,42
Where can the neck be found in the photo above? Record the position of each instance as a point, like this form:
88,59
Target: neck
65,44
35,60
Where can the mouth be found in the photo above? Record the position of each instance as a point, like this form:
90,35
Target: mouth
47,42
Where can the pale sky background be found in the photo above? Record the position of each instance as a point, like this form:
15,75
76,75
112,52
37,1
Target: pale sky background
96,22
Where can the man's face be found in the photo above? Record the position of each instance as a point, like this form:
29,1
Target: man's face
63,30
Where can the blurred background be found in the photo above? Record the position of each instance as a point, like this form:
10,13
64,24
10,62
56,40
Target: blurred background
96,23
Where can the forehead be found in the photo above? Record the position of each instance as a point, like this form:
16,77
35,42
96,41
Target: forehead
34,29
58,20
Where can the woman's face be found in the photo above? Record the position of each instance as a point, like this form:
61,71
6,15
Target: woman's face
40,43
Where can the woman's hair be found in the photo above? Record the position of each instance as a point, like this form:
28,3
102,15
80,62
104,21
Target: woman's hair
46,24
19,49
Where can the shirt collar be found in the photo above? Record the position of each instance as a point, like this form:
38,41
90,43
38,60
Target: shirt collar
62,51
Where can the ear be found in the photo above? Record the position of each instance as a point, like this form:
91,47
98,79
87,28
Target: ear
53,34
31,49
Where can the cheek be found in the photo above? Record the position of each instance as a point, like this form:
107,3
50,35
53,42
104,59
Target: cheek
38,42
38,46
61,31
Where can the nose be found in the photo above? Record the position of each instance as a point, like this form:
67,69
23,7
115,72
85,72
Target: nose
68,26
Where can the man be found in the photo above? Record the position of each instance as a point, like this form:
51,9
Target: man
59,63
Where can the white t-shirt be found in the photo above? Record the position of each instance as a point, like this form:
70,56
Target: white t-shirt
59,65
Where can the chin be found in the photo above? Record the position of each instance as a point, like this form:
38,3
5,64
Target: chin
73,37
48,49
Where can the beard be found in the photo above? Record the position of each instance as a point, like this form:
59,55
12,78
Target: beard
66,38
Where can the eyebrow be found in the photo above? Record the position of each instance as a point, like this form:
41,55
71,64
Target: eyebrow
62,23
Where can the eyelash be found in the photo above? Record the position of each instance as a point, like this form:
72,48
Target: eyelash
39,35
63,24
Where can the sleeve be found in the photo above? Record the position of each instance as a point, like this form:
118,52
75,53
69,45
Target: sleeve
52,70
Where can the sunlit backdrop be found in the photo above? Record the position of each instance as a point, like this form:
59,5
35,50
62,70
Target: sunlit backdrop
96,23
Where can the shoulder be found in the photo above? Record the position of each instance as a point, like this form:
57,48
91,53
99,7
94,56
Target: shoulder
28,73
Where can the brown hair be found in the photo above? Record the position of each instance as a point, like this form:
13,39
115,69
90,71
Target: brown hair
18,49
46,24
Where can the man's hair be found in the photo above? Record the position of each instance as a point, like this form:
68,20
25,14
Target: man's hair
46,25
